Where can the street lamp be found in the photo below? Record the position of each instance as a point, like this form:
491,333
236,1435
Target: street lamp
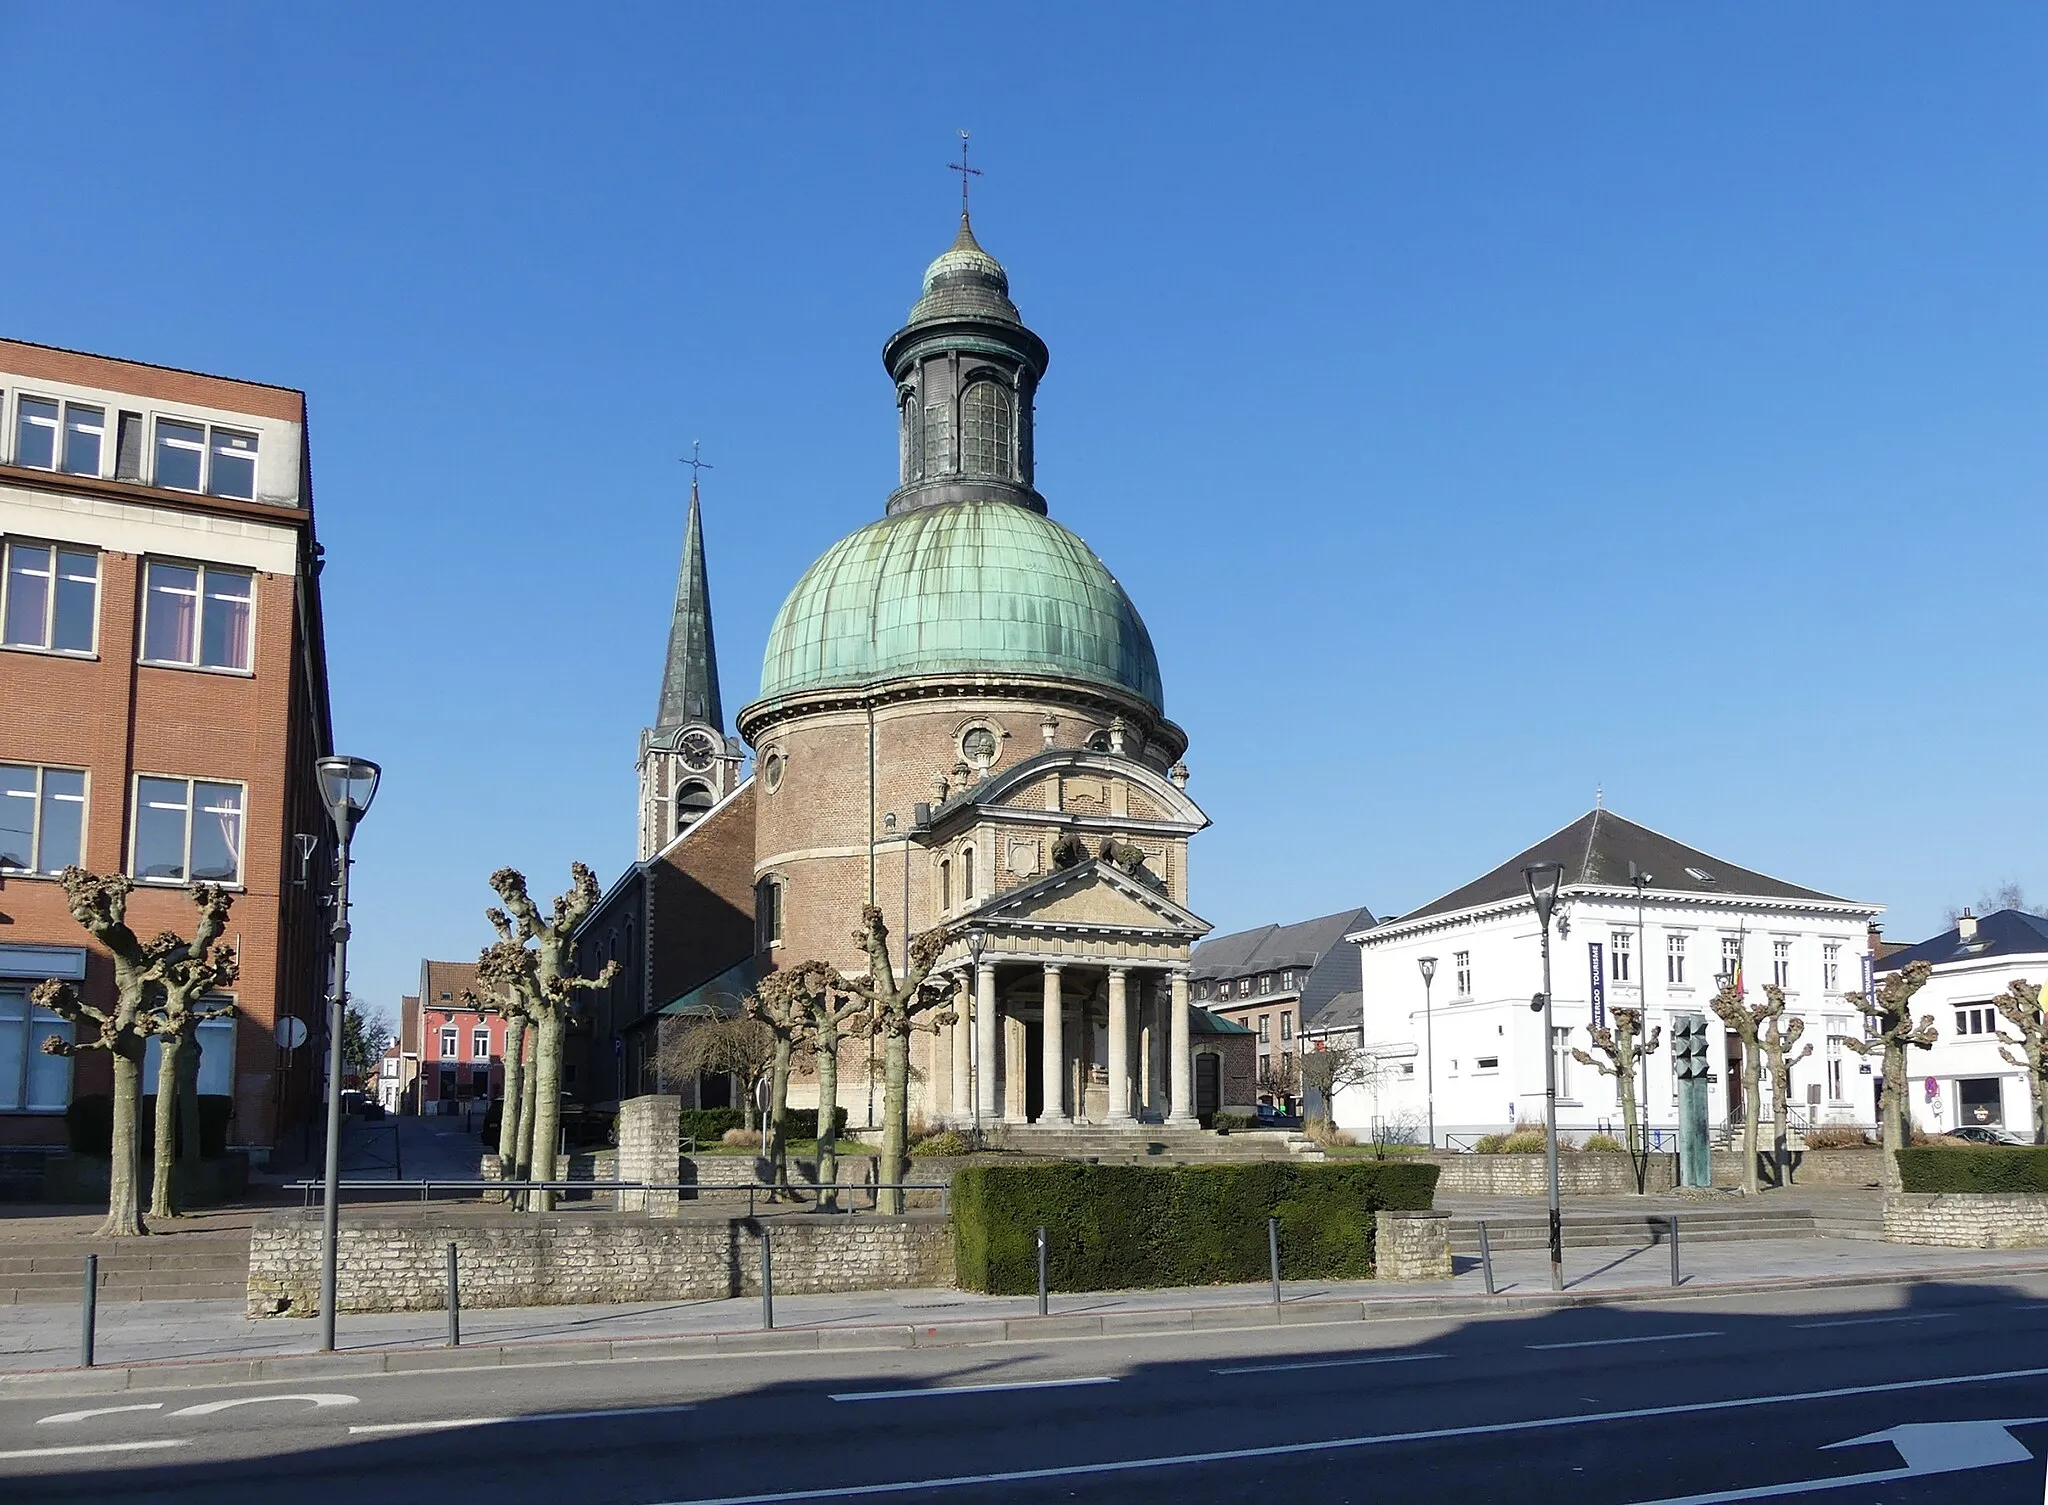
1428,966
977,942
347,785
1642,880
1544,879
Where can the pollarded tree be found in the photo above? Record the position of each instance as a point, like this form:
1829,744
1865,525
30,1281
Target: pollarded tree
1745,1020
1892,1017
1779,1037
837,1013
504,971
897,1008
100,905
554,1001
191,975
1330,1069
2020,1005
1624,1050
780,1004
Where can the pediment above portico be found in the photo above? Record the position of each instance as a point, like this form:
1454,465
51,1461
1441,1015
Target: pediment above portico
1092,896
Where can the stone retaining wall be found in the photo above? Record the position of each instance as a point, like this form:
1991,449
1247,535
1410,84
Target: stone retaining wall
397,1262
1580,1173
1967,1220
1412,1246
1852,1167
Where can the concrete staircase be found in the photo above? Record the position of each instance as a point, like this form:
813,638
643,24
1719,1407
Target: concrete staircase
1154,1144
1717,1225
178,1268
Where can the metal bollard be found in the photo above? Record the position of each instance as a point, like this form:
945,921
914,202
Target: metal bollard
1485,1256
1673,1220
767,1282
89,1315
1273,1255
1041,1273
454,1303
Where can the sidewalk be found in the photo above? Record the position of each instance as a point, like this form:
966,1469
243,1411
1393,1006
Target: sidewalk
46,1338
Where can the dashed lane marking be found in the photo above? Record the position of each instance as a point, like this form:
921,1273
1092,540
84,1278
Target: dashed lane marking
83,1448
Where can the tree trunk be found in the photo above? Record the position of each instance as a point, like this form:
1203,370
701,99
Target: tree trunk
188,1118
1781,1092
1752,1109
547,1104
895,1120
1892,1132
163,1201
2040,1102
124,1215
828,1117
778,1120
515,1098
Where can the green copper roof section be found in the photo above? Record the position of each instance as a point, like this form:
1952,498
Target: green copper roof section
966,587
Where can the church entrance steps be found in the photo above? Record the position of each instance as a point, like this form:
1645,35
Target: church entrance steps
1152,1144
1522,1231
183,1267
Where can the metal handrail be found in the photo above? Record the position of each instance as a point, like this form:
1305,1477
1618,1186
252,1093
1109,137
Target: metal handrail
428,1187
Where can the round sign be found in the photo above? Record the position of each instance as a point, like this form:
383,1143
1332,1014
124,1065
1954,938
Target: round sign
291,1032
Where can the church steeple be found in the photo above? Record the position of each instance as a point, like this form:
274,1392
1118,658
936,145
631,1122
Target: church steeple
689,676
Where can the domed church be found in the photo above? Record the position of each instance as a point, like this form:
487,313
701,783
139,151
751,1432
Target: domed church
960,721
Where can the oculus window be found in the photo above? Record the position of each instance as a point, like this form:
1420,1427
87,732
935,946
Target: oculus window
187,831
49,597
42,818
198,616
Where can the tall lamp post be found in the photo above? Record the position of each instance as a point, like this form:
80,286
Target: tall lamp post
977,942
1428,966
1544,879
1642,881
347,785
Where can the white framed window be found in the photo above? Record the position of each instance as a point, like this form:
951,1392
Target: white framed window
768,913
1781,963
1265,1029
1244,987
1561,1047
449,1042
1462,961
1976,1021
49,597
480,1043
42,818
1674,960
1287,982
187,831
1620,953
1836,1025
198,616
194,456
66,436
31,1081
1731,955
1830,966
1286,1025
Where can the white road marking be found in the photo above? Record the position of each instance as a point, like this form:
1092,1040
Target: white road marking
1874,1321
451,1423
928,1391
1390,1358
1340,1444
1617,1342
320,1399
601,1415
428,1426
66,1418
79,1449
1939,1447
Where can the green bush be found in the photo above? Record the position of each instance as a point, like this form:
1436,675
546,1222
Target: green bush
708,1125
949,1142
1978,1168
1232,1123
1606,1143
89,1125
1114,1227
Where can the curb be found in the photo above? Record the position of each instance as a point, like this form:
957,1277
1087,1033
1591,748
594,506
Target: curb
963,1332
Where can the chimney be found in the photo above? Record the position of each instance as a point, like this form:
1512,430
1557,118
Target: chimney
1966,927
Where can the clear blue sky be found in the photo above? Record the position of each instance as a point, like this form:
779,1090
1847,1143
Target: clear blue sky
1481,403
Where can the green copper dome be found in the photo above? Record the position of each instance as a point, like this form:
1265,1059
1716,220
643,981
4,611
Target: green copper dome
961,588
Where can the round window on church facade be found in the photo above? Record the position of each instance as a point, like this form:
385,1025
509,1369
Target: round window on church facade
978,746
771,769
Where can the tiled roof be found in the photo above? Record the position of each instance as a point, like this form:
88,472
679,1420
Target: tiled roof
450,978
2008,932
1301,945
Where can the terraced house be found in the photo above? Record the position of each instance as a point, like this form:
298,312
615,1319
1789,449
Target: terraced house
163,697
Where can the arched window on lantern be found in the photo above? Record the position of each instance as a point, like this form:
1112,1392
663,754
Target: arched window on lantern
987,430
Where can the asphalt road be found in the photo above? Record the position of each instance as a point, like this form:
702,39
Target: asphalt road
1698,1401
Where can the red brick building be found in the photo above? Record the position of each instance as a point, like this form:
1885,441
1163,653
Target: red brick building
461,1048
163,697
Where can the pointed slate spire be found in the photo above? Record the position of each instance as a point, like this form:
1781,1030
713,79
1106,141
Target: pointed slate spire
689,679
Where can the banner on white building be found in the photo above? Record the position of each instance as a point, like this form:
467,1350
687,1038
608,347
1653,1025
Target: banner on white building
1594,960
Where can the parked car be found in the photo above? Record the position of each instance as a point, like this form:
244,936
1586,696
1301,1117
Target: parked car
1271,1117
1984,1134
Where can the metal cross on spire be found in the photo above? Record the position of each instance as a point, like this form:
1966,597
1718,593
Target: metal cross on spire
696,465
965,172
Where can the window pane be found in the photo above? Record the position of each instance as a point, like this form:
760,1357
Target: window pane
225,624
63,835
78,590
216,1043
160,829
13,1043
233,468
49,1077
85,432
17,818
217,834
28,595
179,449
168,615
35,434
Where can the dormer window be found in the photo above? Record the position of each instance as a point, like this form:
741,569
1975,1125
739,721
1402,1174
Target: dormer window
986,430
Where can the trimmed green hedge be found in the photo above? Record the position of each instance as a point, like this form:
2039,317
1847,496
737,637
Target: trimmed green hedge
708,1125
1980,1168
1231,1123
1114,1227
89,1125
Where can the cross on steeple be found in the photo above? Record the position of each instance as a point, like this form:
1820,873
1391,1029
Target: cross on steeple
696,465
965,172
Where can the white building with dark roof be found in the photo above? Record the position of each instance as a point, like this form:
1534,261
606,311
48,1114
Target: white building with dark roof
1642,921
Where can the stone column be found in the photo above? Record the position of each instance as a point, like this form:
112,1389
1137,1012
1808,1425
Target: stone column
1119,1049
1148,1048
962,1042
1053,1060
1180,1062
648,1140
939,1100
985,1041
